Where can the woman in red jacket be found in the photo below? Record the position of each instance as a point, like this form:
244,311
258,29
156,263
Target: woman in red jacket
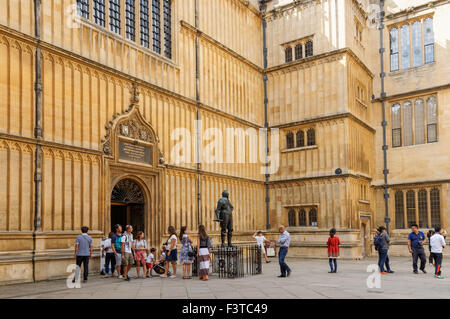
333,249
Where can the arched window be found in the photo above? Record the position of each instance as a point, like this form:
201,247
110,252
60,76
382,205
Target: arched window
435,202
407,124
308,49
300,136
419,122
130,29
428,40
289,140
411,208
313,217
156,25
292,218
311,137
399,213
99,12
83,8
394,49
167,10
302,218
288,54
423,208
431,120
417,43
396,126
406,63
298,52
114,16
145,24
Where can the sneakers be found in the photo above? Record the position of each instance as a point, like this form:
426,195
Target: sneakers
120,277
163,276
288,272
390,272
416,272
383,272
281,276
172,276
439,276
424,271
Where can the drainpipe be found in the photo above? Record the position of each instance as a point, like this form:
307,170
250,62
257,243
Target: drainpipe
198,125
384,123
37,132
266,123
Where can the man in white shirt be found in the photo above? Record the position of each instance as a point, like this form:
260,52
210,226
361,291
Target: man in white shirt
437,242
127,251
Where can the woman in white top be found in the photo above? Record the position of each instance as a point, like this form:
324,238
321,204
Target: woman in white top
171,253
260,240
140,252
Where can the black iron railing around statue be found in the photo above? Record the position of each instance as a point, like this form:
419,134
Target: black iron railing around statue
232,262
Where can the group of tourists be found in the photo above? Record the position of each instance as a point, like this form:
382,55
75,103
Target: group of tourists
416,243
122,251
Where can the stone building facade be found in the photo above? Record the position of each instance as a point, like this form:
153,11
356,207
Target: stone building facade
93,100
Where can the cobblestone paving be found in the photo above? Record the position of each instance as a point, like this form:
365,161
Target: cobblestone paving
309,279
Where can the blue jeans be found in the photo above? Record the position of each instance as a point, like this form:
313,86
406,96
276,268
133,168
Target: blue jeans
283,266
383,259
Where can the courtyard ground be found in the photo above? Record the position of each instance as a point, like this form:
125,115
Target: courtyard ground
309,279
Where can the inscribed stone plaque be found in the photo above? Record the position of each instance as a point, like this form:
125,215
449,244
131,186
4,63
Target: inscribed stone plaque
135,153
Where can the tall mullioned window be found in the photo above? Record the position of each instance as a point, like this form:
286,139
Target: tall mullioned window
394,49
156,25
308,49
298,52
99,12
408,205
145,21
83,8
114,15
288,54
414,122
428,40
311,137
412,43
290,140
292,218
130,17
167,28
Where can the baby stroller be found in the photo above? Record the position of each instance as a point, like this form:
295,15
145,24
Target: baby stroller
159,269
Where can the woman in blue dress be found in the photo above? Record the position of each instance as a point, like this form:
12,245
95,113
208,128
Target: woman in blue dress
186,255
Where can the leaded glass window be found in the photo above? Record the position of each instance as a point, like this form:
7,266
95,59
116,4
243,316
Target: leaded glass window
411,208
406,63
396,126
298,52
300,137
428,40
431,120
288,54
292,218
99,12
313,217
435,204
311,137
167,28
417,43
145,24
302,218
423,208
399,213
289,140
83,8
156,25
419,122
394,49
308,49
114,15
130,17
407,124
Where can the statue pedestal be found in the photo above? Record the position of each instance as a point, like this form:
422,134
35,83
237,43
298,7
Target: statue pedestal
234,262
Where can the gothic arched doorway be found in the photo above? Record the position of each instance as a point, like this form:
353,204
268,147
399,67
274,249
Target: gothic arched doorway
128,205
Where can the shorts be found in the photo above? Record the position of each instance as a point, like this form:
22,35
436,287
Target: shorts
128,259
118,259
141,256
173,255
263,249
149,265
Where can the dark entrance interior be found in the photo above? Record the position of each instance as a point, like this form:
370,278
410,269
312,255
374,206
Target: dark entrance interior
128,205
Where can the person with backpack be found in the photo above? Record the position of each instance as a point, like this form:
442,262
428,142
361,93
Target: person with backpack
381,242
437,243
116,241
127,251
83,252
